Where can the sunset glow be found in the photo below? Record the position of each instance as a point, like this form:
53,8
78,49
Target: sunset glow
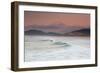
56,22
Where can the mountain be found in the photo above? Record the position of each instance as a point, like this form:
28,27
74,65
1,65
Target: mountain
34,32
53,33
81,32
39,32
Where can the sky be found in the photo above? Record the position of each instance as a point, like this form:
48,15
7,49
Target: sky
56,22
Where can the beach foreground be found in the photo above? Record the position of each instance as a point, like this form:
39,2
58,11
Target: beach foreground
51,48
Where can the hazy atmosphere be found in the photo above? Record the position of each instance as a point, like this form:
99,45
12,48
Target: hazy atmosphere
53,36
56,22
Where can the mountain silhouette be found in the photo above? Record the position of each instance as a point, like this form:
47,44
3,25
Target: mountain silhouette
34,32
39,32
81,32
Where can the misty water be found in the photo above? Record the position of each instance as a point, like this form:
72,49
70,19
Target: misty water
51,48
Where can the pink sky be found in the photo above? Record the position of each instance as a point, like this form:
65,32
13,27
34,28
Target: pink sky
56,22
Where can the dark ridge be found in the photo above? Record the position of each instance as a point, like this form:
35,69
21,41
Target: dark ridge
81,32
34,32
